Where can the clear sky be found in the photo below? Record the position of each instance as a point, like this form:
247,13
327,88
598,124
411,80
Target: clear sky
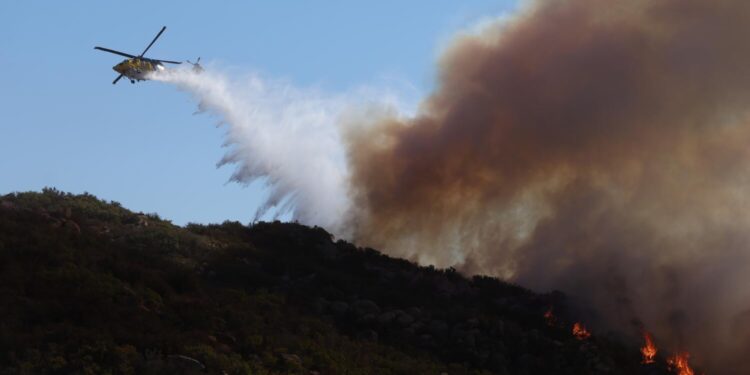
64,125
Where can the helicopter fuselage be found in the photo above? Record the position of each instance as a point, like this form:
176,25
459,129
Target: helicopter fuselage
138,69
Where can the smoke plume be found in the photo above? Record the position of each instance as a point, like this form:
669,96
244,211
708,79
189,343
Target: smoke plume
601,148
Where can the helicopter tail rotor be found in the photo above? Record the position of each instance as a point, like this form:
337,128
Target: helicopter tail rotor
196,65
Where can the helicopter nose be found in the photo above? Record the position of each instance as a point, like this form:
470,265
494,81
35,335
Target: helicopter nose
119,68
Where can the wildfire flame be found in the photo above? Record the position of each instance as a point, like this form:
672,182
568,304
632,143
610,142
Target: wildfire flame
580,332
550,318
679,364
649,349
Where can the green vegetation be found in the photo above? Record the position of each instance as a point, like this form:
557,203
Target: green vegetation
89,287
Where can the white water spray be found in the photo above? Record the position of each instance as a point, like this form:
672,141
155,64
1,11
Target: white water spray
287,137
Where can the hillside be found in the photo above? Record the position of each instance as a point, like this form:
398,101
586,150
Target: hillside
87,286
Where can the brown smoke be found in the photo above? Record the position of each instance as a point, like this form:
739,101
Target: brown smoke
598,147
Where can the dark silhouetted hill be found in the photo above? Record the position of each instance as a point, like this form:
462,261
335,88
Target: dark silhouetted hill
90,287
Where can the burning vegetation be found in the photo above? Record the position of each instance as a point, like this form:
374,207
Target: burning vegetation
584,147
580,332
678,363
550,318
648,350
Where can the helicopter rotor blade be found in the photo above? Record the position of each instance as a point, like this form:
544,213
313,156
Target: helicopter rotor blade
169,62
115,52
117,79
153,41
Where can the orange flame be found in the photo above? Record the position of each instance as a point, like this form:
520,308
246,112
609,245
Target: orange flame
649,349
550,318
580,332
679,364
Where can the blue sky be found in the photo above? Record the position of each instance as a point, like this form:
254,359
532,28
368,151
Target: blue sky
64,125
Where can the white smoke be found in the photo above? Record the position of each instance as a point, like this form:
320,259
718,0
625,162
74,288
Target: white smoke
287,137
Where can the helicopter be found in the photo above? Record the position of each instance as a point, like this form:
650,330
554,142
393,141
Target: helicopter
137,68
